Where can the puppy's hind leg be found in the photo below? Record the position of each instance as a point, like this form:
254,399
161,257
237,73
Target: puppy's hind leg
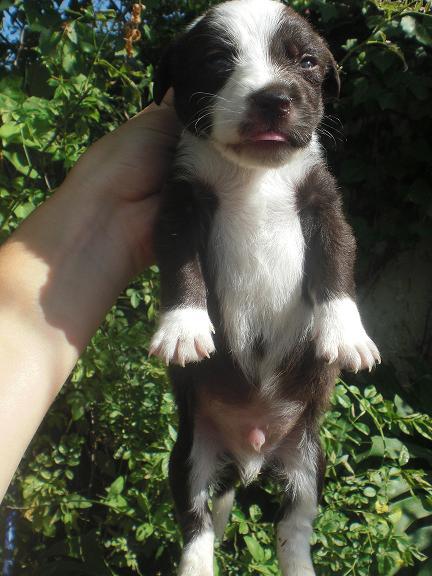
303,469
192,465
223,499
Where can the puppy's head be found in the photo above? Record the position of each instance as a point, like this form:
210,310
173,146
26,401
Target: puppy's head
250,76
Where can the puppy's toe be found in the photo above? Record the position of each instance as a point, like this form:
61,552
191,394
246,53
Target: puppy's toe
349,358
204,345
327,351
184,336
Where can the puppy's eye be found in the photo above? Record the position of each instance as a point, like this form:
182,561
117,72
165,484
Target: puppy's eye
308,62
218,60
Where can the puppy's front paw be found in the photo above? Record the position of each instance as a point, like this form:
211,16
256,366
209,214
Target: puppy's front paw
340,336
184,335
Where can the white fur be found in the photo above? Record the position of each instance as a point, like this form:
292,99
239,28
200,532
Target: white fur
197,557
295,529
184,335
258,250
340,336
221,512
204,462
252,23
249,466
293,536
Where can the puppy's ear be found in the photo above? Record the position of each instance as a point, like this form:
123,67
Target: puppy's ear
332,84
163,75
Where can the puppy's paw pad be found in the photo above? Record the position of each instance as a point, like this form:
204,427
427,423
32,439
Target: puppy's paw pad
184,335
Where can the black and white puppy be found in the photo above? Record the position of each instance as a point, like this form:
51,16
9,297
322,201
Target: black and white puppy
256,259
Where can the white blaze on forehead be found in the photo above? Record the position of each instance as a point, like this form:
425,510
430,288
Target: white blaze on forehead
251,26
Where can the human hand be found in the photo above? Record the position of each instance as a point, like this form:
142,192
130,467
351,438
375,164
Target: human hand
127,169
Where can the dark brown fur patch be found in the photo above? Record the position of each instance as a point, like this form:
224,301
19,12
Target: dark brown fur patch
181,236
197,65
330,244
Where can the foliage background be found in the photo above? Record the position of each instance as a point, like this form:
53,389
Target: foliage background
91,496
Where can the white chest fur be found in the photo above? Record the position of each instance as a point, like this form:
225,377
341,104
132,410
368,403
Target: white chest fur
256,248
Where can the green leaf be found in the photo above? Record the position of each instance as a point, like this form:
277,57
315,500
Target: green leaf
172,432
243,528
69,59
415,28
391,448
11,132
370,392
19,160
117,486
422,537
369,492
406,511
364,428
255,513
71,33
143,532
255,548
78,411
24,210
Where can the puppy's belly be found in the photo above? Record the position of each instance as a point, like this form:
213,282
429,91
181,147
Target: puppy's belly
243,430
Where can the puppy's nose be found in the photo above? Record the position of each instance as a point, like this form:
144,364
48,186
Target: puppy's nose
273,102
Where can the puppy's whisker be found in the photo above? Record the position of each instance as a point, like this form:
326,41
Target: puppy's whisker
334,119
221,109
332,128
199,120
212,95
326,133
205,112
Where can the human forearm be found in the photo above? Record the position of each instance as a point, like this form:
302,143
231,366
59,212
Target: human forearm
59,274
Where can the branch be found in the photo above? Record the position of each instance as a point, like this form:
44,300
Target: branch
21,45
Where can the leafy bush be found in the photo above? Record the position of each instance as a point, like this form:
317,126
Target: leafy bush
91,495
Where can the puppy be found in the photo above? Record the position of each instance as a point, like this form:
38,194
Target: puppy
256,261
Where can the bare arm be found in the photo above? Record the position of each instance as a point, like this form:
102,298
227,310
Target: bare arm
63,269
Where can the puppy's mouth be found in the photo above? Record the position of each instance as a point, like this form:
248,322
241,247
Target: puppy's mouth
262,140
263,143
267,136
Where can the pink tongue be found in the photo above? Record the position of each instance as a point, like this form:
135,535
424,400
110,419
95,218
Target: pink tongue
256,438
268,137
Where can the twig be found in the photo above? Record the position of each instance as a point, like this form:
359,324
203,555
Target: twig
21,45
47,182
